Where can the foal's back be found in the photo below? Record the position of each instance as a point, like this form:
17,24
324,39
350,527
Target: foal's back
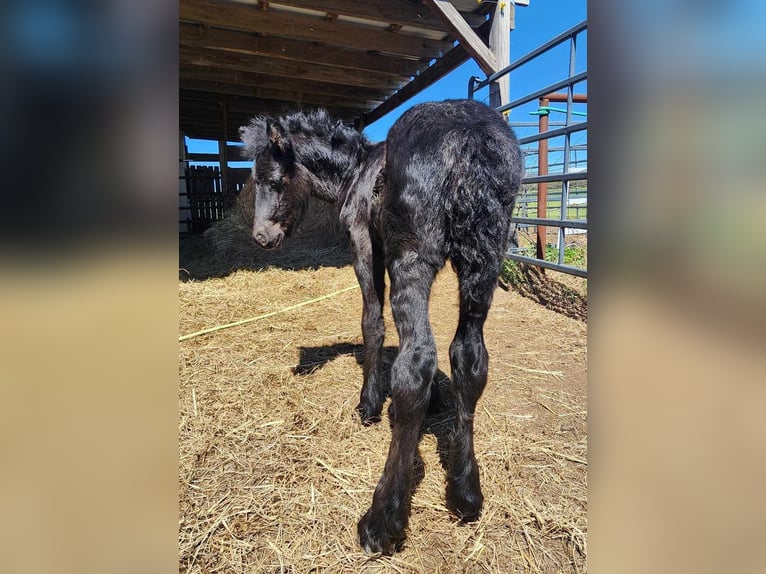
452,171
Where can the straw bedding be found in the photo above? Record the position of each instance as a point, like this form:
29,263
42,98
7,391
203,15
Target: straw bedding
276,469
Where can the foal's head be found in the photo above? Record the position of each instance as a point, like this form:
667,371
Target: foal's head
281,187
294,157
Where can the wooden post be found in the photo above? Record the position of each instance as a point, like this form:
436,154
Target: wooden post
500,46
184,207
463,32
359,124
223,158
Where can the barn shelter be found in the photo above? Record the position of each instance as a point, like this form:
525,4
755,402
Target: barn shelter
359,59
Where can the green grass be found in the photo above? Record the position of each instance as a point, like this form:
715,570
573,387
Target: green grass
575,255
511,274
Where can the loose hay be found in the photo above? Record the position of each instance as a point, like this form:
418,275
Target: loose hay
556,295
275,468
316,240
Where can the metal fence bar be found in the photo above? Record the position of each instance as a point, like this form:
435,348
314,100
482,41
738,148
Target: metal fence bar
576,79
568,223
577,127
564,211
533,124
556,196
548,265
555,177
550,44
573,147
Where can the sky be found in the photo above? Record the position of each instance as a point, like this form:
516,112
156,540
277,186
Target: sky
535,24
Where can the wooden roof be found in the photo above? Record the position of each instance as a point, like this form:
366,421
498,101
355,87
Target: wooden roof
358,58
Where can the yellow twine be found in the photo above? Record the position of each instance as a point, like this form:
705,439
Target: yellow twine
264,316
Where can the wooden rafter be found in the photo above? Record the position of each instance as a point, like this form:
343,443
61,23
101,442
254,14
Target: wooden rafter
468,38
402,12
196,36
287,69
192,72
190,103
226,89
237,16
439,69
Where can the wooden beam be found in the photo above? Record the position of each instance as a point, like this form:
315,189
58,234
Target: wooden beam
287,68
439,69
195,100
222,161
464,4
187,102
232,91
206,157
403,12
201,125
197,36
238,16
465,34
205,124
206,73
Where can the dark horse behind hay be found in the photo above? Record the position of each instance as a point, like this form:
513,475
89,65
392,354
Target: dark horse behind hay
442,186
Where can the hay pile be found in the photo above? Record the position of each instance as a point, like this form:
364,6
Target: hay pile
232,238
275,468
554,294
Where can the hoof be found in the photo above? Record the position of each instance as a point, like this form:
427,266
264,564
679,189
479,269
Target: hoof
368,415
464,504
376,536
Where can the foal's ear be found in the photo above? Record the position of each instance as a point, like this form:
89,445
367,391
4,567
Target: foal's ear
252,137
277,136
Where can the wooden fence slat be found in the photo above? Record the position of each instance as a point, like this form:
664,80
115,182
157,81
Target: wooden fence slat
204,192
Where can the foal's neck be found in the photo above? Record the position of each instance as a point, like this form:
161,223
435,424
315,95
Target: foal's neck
330,169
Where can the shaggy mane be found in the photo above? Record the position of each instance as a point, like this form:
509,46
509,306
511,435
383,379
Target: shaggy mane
312,124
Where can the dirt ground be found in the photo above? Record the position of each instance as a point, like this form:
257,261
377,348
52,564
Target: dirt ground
276,469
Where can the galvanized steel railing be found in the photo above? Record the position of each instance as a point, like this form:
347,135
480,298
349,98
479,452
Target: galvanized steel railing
566,131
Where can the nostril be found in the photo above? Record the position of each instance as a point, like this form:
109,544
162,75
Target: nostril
259,237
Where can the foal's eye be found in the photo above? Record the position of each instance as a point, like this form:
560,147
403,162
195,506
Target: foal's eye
275,184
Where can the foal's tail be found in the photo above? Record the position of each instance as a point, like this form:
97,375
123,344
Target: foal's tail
484,186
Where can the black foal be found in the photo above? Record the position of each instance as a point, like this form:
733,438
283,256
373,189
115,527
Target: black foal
442,187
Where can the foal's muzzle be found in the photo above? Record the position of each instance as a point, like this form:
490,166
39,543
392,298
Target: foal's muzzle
268,235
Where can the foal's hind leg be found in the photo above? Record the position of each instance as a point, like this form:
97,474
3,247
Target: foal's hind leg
370,272
382,527
469,360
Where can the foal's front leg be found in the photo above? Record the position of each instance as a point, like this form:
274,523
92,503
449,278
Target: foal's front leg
370,272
